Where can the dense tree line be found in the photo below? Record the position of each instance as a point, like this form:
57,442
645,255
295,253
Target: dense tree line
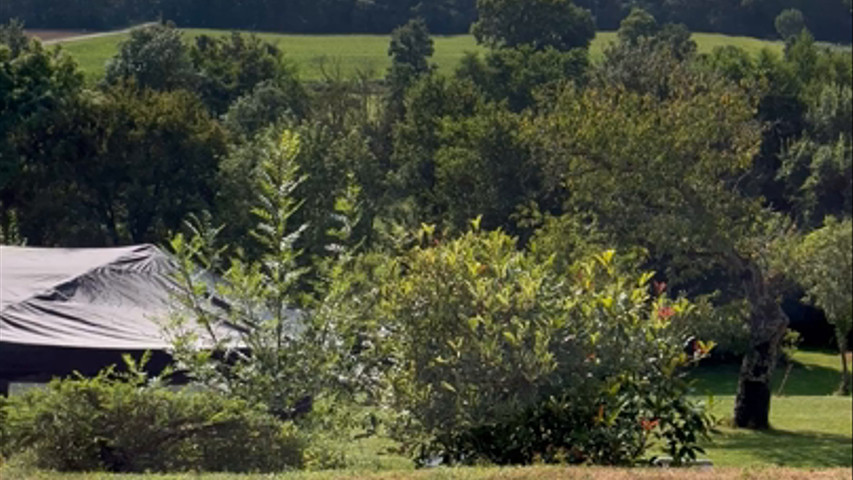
830,20
716,171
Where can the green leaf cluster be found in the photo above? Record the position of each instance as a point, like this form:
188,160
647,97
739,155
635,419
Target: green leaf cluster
496,355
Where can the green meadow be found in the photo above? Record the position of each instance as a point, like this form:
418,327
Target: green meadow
348,55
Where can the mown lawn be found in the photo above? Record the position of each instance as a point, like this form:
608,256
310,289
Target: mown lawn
349,54
812,428
480,473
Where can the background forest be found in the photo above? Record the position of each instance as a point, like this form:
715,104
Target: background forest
829,20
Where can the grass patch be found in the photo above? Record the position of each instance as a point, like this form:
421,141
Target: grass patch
812,428
813,373
481,473
349,54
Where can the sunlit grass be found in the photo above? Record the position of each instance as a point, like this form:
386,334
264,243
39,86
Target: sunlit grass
481,473
349,54
811,427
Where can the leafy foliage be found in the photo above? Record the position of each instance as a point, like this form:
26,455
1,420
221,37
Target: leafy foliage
429,103
410,50
281,356
12,36
327,158
823,264
790,23
231,67
483,168
524,363
515,75
154,57
539,23
674,198
829,18
268,103
639,23
306,245
35,85
124,166
262,297
818,169
124,423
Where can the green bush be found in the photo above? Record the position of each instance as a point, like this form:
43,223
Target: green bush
4,441
122,425
497,356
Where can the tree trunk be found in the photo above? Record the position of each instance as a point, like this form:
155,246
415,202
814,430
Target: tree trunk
767,323
844,389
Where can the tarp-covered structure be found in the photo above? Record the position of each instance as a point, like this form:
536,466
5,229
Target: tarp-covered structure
66,310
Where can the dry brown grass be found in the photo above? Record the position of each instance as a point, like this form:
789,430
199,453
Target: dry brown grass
563,473
477,473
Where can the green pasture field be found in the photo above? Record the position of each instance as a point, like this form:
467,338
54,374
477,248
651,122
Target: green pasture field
349,54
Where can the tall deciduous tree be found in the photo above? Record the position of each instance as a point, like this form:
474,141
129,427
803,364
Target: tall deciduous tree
540,23
790,23
36,85
430,102
656,171
123,167
639,23
154,57
230,67
410,50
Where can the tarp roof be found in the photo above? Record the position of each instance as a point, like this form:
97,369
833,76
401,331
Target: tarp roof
104,298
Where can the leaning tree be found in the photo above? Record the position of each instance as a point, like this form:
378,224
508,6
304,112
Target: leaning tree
659,169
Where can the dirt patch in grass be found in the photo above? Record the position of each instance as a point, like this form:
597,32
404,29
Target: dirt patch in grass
46,35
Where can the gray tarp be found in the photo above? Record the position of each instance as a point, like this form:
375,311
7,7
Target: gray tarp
105,298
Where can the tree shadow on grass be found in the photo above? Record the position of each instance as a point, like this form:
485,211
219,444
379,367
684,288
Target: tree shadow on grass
804,380
790,449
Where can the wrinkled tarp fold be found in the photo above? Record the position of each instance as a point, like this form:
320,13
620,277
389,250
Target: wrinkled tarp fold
106,298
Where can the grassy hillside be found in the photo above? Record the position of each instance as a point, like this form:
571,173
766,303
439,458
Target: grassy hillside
366,53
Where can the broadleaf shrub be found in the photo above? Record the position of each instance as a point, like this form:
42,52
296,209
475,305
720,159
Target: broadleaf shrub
500,357
111,423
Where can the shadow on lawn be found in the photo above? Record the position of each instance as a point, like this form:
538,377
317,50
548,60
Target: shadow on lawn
804,380
794,449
